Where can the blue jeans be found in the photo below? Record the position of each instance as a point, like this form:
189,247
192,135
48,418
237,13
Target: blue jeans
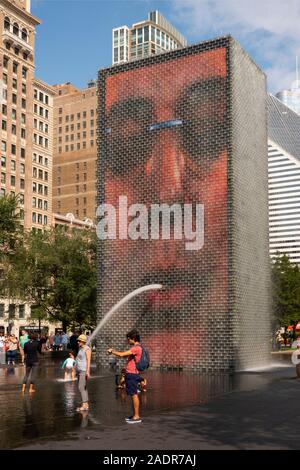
11,355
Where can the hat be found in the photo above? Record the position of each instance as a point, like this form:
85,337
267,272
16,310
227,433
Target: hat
82,338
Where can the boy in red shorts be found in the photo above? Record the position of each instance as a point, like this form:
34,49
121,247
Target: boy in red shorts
132,377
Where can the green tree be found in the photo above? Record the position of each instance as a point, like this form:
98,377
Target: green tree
286,291
55,271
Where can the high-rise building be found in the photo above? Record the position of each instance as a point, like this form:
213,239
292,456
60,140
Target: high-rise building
74,169
291,98
284,179
26,137
26,123
149,37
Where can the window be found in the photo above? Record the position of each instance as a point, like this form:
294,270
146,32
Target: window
11,311
3,162
40,188
4,110
25,56
84,200
77,201
41,111
13,149
14,98
34,172
84,177
5,62
23,153
77,189
4,125
15,67
21,311
34,217
3,178
46,161
34,202
84,114
78,115
12,180
78,146
40,159
13,165
24,72
3,146
67,118
40,140
23,118
41,126
14,129
23,133
41,96
22,183
58,191
21,198
40,174
92,143
45,205
78,125
59,110
35,123
22,168
72,117
4,94
5,79
83,145
45,220
34,187
2,192
46,190
92,112
35,108
59,120
92,123
23,103
84,135
14,83
7,28
14,114
46,143
1,310
40,203
84,124
46,99
46,128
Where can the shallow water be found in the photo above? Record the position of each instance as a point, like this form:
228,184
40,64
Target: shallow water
50,413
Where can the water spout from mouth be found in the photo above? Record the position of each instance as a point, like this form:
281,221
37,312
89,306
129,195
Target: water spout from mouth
118,305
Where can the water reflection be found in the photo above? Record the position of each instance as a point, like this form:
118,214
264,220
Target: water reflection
50,412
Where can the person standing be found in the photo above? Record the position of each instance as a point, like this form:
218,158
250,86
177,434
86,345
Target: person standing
13,344
64,341
132,376
83,366
22,340
56,342
31,348
73,342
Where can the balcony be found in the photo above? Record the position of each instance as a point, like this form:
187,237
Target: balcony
16,40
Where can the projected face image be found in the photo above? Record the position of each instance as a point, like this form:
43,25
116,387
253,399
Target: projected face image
166,142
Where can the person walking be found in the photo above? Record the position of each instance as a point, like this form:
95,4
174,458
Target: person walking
22,340
13,345
31,349
83,366
132,376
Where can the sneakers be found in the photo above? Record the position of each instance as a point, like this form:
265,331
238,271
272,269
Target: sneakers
132,420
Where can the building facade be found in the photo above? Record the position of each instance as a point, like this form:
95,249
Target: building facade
291,98
26,137
284,180
186,127
74,167
150,37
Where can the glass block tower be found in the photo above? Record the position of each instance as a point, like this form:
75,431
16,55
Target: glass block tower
149,37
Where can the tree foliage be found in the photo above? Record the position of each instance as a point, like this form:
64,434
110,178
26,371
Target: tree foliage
286,291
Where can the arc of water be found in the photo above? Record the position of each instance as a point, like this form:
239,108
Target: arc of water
119,305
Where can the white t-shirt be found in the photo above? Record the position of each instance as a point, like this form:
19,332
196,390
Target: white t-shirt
1,341
70,363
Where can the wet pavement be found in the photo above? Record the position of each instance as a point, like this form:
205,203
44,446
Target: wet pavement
49,415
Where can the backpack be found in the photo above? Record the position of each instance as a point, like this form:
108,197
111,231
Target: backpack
144,361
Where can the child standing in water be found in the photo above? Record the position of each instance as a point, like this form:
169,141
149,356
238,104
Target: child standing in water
69,366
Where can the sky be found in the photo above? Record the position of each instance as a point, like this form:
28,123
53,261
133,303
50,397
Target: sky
74,40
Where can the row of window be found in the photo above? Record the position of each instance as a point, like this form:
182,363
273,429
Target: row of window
14,129
14,83
38,218
77,167
84,189
42,97
40,174
13,149
17,51
15,67
84,212
12,310
70,117
13,114
71,148
14,28
43,112
39,203
71,137
40,189
40,140
41,126
13,181
40,159
13,98
72,128
12,166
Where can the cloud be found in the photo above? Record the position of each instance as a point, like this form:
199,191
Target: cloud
268,29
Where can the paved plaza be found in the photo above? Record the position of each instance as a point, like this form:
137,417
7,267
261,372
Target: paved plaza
250,410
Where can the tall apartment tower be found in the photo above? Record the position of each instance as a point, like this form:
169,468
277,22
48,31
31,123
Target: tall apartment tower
74,169
18,91
146,38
